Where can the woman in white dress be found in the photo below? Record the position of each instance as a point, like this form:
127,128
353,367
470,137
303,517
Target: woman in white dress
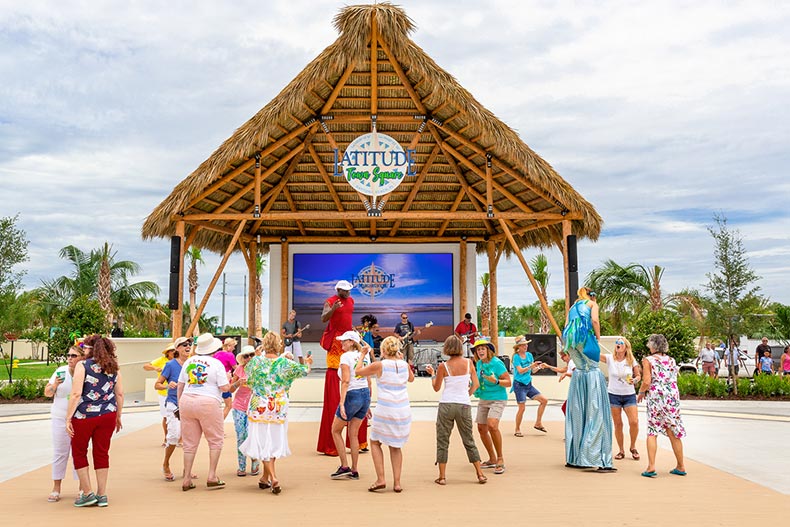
59,388
391,422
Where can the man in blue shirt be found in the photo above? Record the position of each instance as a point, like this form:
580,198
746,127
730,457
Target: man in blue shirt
523,366
168,379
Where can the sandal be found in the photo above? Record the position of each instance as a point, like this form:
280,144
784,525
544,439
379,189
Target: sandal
215,484
188,487
487,464
621,455
377,486
398,489
255,469
169,476
482,479
441,481
264,485
635,454
241,473
500,469
276,487
541,428
518,434
53,497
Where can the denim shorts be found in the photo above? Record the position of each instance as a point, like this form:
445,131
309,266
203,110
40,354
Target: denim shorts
357,404
523,391
622,401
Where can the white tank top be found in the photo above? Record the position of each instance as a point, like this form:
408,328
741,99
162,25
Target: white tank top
456,387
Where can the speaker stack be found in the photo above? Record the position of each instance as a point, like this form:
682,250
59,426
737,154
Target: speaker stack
175,272
543,348
573,267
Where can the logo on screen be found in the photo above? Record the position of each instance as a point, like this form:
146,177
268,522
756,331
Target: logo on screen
373,281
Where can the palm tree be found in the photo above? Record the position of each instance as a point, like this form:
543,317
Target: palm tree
540,270
260,265
104,289
529,316
485,304
195,257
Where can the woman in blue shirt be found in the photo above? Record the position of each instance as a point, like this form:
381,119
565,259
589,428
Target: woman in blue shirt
492,393
523,366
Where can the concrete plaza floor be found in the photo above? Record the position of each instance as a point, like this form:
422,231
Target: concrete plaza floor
736,452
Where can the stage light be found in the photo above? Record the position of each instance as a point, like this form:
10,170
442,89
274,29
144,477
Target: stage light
463,237
283,239
373,237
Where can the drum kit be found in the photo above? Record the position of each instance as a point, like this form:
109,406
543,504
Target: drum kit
429,352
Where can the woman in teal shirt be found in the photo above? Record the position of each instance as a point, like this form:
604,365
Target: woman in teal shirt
492,393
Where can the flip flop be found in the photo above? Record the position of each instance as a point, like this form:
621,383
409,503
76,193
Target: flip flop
541,428
621,455
215,484
188,487
606,470
276,487
169,476
241,473
481,479
649,474
635,454
375,487
500,469
518,434
264,485
255,469
440,481
53,497
677,472
398,490
487,465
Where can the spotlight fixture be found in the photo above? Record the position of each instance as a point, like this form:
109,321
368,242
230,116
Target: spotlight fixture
373,237
490,213
256,212
258,239
463,237
283,239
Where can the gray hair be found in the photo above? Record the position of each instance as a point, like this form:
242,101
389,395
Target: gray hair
658,342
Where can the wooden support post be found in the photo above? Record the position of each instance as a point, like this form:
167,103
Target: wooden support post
462,303
492,292
374,65
489,184
566,231
217,274
177,314
284,260
253,287
517,250
257,189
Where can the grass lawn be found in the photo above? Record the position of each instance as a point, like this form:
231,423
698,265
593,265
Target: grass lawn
27,371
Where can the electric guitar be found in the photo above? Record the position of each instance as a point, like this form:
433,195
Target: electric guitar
407,338
289,340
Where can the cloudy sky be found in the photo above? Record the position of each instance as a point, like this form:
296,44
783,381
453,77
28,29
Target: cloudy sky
660,113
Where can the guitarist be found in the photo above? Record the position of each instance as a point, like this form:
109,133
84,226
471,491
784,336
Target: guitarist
404,330
291,333
466,331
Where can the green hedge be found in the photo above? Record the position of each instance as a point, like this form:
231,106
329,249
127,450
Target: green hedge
706,386
24,388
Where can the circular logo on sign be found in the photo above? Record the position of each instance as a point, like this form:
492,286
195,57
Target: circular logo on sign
374,164
372,281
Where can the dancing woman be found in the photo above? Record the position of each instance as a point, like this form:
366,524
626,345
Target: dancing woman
492,394
588,425
623,375
455,406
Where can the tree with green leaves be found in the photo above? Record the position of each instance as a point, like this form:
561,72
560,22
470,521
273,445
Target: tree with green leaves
83,316
540,270
679,333
13,251
195,257
732,287
260,266
485,304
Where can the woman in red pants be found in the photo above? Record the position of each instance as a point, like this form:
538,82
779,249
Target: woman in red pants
93,415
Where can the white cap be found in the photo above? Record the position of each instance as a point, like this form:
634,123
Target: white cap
349,335
345,285
207,344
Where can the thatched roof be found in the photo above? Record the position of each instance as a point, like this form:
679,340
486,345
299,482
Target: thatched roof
328,105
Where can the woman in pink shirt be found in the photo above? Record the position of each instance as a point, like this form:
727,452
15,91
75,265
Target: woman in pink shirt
241,401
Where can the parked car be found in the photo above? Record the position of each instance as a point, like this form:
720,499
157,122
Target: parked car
745,365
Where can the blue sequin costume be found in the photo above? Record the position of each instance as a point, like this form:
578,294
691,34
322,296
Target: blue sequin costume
588,423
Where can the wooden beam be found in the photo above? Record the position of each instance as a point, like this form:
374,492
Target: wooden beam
243,249
177,314
292,206
489,179
217,228
361,215
366,239
330,101
420,178
193,232
462,293
330,187
403,78
543,304
500,248
374,66
257,190
458,199
210,288
492,293
284,261
251,292
536,225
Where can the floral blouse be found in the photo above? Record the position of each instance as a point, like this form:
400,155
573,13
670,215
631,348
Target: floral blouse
270,380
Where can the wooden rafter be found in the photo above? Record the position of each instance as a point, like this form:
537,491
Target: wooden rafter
420,178
292,206
330,187
458,199
403,78
374,67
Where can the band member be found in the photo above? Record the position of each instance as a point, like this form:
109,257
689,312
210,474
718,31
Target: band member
366,329
467,332
291,333
338,315
404,330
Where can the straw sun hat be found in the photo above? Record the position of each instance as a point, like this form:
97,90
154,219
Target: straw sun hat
207,344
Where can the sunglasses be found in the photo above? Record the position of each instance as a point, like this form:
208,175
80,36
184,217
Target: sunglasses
619,342
73,356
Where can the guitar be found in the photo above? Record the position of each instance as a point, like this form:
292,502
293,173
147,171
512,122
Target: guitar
289,340
407,338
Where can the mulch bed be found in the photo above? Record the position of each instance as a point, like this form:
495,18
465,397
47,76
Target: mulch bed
22,400
736,398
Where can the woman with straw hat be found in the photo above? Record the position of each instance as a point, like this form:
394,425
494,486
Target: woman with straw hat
523,366
158,365
200,385
492,394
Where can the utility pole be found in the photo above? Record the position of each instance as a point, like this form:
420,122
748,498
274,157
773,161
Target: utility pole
224,284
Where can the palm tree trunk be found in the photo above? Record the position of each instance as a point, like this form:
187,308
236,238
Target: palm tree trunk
105,287
193,285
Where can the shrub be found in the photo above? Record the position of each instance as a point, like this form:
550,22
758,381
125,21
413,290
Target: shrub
771,385
30,388
82,317
8,391
745,387
701,385
680,335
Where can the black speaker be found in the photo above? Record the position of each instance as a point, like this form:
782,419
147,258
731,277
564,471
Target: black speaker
573,262
175,254
543,348
573,286
506,361
172,300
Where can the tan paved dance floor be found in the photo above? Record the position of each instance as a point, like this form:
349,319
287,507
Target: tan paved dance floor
536,489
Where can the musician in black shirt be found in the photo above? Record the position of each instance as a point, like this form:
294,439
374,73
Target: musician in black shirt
404,330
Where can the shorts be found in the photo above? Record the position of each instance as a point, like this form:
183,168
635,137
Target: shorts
357,404
622,401
162,399
489,410
709,368
523,391
294,349
227,395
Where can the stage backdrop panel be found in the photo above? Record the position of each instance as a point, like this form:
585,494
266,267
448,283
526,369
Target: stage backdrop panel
385,284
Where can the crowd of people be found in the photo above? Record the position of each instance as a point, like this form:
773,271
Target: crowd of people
201,381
